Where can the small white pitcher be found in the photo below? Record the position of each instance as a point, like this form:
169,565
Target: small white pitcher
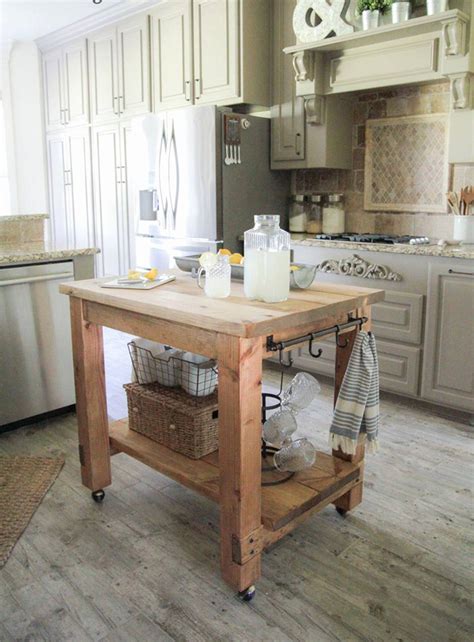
217,285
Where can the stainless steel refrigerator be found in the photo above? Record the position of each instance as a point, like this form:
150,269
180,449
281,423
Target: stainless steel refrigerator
199,176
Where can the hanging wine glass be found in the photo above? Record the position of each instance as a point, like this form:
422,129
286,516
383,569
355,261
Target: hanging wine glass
294,456
300,393
279,427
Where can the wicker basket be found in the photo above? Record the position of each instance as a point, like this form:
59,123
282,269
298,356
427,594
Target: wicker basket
170,416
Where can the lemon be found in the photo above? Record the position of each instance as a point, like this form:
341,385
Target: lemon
242,260
207,259
225,252
151,274
294,268
133,275
236,259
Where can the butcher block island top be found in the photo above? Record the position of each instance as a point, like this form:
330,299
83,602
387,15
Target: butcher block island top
236,332
181,301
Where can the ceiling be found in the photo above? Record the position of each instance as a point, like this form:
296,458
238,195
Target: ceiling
30,19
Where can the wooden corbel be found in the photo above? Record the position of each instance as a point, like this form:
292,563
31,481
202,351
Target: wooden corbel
462,91
454,37
303,64
314,109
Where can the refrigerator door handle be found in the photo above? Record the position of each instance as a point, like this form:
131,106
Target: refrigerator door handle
162,214
173,160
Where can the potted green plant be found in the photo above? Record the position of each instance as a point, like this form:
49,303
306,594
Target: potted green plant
371,10
400,11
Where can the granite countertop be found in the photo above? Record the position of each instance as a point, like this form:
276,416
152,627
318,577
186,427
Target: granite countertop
449,251
36,251
14,218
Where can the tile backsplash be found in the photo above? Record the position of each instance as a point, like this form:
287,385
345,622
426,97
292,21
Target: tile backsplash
400,101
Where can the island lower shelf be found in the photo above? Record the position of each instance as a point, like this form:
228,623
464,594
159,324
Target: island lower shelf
283,505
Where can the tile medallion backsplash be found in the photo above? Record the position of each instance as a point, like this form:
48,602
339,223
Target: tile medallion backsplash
393,103
406,166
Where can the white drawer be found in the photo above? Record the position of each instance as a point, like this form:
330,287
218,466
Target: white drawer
399,368
399,317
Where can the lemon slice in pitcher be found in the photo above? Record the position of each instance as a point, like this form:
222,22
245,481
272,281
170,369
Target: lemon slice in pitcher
207,259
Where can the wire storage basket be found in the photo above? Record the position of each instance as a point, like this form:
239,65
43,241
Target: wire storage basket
197,375
173,418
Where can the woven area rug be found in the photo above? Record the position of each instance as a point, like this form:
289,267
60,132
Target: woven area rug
24,481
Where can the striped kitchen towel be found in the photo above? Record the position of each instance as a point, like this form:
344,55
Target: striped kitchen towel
357,405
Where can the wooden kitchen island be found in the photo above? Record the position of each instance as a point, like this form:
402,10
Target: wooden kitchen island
239,334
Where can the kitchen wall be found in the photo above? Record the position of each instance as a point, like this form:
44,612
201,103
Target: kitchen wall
400,101
26,100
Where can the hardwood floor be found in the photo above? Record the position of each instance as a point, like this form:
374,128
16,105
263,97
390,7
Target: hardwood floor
144,564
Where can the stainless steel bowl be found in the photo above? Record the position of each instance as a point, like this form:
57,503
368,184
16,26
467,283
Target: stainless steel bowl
299,279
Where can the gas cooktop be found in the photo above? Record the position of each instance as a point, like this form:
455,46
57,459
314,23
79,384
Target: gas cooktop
390,239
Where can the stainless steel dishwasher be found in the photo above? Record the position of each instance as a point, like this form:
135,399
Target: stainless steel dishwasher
36,371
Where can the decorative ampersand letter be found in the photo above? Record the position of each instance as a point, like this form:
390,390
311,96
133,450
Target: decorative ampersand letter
316,19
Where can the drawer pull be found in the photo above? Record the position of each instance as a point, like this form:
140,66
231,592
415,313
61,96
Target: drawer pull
460,272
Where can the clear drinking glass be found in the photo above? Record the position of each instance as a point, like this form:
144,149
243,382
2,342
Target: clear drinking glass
279,427
217,284
267,260
300,393
298,455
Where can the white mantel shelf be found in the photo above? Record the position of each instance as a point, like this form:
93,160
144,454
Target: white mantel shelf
412,27
420,50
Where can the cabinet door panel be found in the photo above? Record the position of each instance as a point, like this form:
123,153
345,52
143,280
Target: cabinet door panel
57,166
172,74
52,64
107,199
398,317
216,50
448,373
103,75
134,70
288,116
75,83
128,198
81,215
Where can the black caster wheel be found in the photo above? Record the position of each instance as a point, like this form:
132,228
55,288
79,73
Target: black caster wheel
98,496
341,511
248,594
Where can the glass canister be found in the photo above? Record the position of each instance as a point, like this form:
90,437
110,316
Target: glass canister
334,217
298,214
267,260
314,224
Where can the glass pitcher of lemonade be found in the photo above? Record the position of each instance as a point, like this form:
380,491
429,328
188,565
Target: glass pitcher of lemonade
267,260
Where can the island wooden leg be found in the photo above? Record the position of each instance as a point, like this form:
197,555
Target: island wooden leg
354,497
91,402
240,377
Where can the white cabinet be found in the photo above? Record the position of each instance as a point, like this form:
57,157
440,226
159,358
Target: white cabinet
288,117
110,202
56,145
317,133
211,52
52,82
171,54
448,371
216,50
65,86
75,83
79,188
104,90
70,188
134,66
119,70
